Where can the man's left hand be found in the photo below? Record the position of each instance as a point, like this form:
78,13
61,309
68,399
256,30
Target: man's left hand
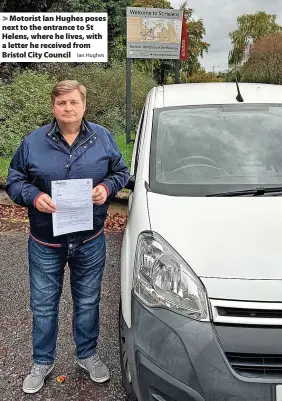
99,195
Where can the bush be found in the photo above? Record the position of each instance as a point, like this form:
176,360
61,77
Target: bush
199,77
25,104
106,91
265,62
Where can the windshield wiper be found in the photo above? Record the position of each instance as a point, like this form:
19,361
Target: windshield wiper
253,191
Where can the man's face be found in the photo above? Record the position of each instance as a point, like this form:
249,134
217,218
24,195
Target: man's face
69,108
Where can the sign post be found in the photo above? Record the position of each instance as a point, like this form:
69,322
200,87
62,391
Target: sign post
177,71
152,33
128,100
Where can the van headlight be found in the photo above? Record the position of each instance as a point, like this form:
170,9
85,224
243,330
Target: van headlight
163,279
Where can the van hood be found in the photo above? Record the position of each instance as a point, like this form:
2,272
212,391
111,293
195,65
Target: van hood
222,237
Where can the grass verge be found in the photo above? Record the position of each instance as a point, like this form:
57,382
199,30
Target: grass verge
4,165
126,149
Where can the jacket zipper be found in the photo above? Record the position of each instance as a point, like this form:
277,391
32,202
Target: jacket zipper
71,154
83,143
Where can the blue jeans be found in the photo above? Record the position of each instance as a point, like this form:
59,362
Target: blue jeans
46,270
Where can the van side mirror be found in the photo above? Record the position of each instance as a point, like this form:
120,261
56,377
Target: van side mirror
131,183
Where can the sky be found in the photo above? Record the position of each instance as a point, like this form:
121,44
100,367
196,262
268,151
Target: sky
220,18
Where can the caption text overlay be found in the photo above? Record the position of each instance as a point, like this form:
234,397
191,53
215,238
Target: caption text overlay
53,37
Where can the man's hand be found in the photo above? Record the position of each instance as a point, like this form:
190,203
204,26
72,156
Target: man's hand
99,195
45,204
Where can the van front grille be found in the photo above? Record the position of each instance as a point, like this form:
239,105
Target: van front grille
246,313
256,365
251,313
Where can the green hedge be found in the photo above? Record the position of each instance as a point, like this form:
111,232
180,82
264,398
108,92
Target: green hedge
25,103
24,106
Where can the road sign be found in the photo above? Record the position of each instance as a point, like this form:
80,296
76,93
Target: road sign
154,33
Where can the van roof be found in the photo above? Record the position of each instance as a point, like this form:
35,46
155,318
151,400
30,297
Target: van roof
215,93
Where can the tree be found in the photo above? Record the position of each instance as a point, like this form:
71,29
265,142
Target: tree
251,27
152,3
265,61
25,5
116,13
196,45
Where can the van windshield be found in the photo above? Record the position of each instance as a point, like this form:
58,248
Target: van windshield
201,150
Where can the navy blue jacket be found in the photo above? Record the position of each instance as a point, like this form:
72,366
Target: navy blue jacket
42,158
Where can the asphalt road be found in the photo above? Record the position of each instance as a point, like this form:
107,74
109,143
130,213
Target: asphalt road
15,331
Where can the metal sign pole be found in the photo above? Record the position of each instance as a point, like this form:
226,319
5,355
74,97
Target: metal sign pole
128,100
177,71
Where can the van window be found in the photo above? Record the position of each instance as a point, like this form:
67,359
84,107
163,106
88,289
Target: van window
209,149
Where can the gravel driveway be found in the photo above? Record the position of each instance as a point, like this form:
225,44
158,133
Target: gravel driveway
15,331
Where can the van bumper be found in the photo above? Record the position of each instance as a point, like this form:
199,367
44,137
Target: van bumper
175,358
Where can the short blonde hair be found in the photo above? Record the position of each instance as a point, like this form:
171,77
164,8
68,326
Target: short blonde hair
68,86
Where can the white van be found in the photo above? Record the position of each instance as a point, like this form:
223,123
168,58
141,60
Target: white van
201,266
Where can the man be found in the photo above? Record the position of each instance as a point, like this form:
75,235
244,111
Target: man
68,148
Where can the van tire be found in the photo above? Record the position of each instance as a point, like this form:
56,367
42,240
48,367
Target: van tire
125,374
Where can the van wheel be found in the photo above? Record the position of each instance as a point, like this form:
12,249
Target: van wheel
125,371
